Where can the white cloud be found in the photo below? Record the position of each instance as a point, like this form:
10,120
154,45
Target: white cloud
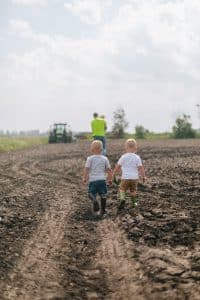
89,11
85,53
147,47
54,60
150,41
167,32
29,2
38,68
146,40
21,28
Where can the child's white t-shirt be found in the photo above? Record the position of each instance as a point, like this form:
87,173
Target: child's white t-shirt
97,165
129,163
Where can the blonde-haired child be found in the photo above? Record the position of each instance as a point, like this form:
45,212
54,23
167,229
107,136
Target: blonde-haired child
130,165
96,167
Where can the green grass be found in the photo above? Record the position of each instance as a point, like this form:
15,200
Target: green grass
151,136
15,143
159,136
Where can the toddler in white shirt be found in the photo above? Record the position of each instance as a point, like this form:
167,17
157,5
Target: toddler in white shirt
131,167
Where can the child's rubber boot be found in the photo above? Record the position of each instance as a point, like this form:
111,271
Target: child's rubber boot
122,200
115,180
96,205
103,205
95,202
121,204
134,201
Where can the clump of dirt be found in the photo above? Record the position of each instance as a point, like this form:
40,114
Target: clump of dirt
81,278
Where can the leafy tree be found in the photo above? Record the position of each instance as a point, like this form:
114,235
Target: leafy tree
183,128
140,132
120,123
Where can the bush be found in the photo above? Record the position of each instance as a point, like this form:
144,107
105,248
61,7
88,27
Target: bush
140,132
183,128
120,123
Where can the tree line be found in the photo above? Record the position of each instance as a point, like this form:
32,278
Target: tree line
181,129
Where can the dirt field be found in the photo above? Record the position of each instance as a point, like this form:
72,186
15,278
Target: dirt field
52,248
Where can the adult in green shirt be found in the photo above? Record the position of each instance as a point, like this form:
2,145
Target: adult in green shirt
98,126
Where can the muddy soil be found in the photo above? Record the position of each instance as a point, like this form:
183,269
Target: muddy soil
51,247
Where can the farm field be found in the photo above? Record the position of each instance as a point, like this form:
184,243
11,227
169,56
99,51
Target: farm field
16,143
52,248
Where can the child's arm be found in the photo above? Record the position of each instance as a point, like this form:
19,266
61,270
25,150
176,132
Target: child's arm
116,170
142,173
85,175
109,172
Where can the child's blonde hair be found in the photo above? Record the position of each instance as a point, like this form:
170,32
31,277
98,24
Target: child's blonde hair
131,144
96,146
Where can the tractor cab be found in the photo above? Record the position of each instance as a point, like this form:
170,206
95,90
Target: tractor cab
60,133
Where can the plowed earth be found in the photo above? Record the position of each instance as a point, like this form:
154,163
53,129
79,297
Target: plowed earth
51,247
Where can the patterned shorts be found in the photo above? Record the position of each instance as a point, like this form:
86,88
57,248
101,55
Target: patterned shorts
129,184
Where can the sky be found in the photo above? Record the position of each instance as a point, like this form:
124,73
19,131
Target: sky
62,60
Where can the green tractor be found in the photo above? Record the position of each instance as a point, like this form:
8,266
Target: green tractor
60,133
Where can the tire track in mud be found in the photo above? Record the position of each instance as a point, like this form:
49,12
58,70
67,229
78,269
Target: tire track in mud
36,272
37,275
115,256
35,262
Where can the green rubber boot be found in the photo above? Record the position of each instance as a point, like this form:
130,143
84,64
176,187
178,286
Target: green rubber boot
134,201
122,200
